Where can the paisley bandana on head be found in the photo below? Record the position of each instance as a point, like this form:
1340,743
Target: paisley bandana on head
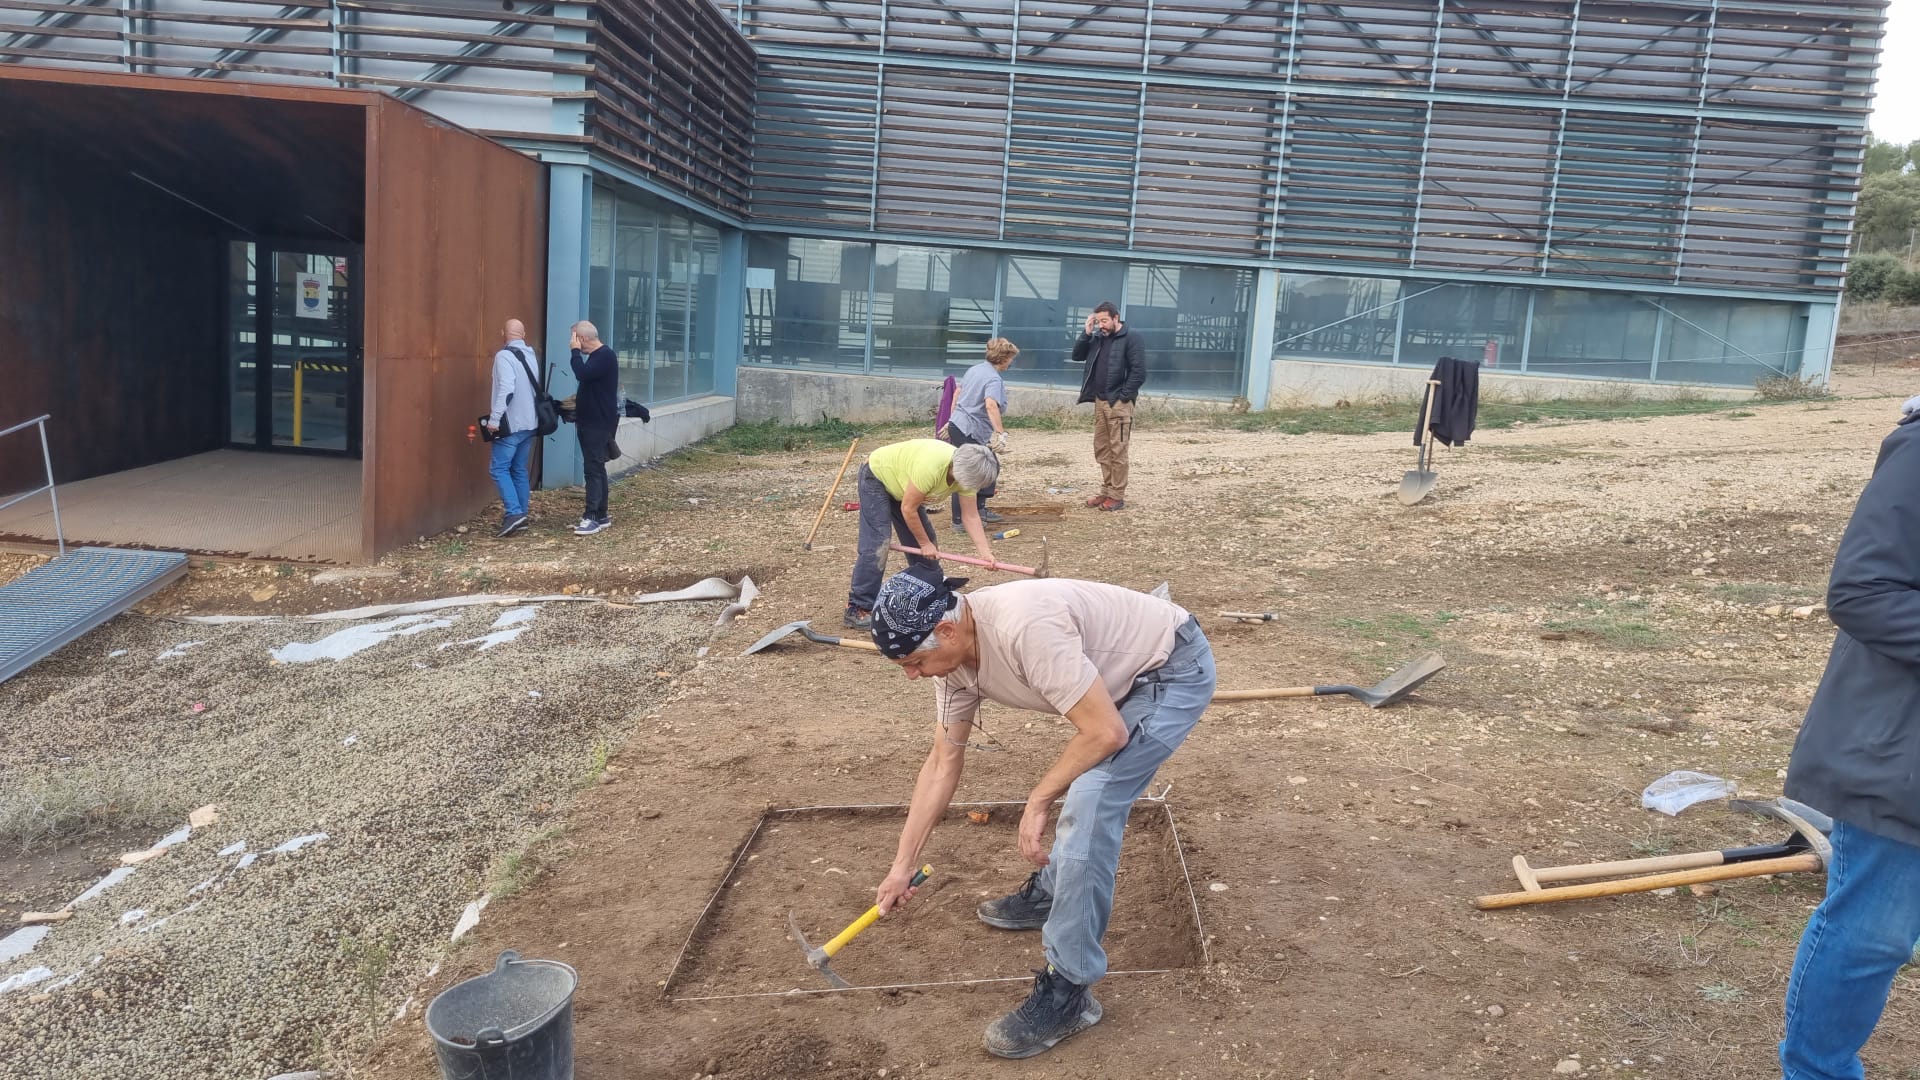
911,604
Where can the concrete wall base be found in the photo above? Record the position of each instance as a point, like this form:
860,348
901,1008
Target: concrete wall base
1298,383
798,396
682,423
801,396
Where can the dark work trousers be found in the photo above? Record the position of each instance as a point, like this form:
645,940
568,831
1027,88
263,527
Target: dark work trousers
960,438
593,462
880,517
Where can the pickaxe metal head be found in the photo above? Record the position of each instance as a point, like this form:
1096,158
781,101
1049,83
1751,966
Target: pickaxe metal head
817,958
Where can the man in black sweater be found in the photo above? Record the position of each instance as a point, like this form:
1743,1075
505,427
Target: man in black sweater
1116,366
596,411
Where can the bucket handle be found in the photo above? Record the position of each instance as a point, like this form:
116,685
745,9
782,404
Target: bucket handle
490,1043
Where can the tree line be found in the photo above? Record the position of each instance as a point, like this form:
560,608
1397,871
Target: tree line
1886,226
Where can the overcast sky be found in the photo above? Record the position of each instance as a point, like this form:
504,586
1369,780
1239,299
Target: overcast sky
1896,103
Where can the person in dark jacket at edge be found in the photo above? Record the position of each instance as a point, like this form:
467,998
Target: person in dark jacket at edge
1858,760
596,411
1116,366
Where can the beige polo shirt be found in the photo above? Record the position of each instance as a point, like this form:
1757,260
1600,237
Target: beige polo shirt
1043,643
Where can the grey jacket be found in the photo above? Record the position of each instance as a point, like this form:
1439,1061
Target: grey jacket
512,393
1858,754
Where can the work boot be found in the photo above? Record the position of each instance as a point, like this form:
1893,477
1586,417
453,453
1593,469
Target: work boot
990,517
1094,503
856,619
1025,909
1054,1010
1111,505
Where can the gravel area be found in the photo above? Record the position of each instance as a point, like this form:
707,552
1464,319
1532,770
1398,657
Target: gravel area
421,759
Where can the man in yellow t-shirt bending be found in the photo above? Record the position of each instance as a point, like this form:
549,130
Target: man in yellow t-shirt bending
895,485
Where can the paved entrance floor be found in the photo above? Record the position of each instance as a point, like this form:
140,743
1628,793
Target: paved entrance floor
227,502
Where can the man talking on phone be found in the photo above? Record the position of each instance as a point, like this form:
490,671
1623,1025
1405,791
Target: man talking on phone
1116,366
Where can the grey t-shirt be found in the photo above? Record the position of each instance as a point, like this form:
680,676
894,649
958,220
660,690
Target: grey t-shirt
970,400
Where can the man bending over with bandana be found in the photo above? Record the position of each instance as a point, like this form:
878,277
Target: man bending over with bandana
1130,671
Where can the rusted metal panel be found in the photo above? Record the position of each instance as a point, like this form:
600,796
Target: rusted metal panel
109,319
456,244
113,232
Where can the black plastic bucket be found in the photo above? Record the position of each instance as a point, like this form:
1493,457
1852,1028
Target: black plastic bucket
513,1023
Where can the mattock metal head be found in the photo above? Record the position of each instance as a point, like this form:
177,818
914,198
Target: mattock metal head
816,958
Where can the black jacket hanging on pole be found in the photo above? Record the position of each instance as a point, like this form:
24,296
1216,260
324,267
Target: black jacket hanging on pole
1456,401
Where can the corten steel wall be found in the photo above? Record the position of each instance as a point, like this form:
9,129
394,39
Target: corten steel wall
111,320
456,244
1710,145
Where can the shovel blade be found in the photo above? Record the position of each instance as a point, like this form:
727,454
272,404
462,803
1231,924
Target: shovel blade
1416,485
1405,681
773,636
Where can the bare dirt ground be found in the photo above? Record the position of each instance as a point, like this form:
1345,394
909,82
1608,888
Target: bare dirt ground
1601,591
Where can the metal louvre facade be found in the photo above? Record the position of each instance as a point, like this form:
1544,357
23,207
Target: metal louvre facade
1706,143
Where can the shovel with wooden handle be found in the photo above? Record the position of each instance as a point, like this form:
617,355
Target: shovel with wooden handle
821,958
828,501
1389,690
1415,485
1806,851
805,629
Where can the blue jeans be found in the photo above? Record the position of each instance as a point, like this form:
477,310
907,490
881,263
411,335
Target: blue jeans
509,469
1161,709
881,518
1856,941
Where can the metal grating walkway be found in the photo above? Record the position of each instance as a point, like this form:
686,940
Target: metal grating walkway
60,601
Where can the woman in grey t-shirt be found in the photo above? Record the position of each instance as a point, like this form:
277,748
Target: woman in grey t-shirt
978,406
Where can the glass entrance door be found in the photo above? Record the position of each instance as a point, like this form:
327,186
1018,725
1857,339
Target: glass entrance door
294,345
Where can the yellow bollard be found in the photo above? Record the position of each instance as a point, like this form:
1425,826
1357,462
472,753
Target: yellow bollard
299,368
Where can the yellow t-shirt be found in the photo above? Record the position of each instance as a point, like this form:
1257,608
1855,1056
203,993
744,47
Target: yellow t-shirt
921,462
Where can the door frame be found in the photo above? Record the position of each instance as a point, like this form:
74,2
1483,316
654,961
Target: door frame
266,251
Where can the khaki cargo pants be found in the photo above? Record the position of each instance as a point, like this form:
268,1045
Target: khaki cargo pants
1112,428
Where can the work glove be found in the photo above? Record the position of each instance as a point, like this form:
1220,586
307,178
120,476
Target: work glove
998,444
1911,406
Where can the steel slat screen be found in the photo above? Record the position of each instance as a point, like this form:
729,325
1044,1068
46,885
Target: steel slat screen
942,145
978,28
1221,37
1506,45
1070,160
1061,32
1206,171
1812,56
1764,209
1484,198
1641,51
1379,41
1351,181
1621,196
814,135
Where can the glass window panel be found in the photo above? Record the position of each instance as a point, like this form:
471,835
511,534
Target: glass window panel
635,254
1336,318
672,308
1460,321
931,307
706,258
1734,342
1194,321
1594,334
806,302
600,261
1044,306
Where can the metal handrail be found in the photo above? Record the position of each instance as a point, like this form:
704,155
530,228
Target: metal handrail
46,458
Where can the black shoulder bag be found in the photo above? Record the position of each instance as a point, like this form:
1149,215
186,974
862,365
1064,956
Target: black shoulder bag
546,415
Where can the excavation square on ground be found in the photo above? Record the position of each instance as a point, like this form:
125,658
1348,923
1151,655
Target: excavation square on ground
824,865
